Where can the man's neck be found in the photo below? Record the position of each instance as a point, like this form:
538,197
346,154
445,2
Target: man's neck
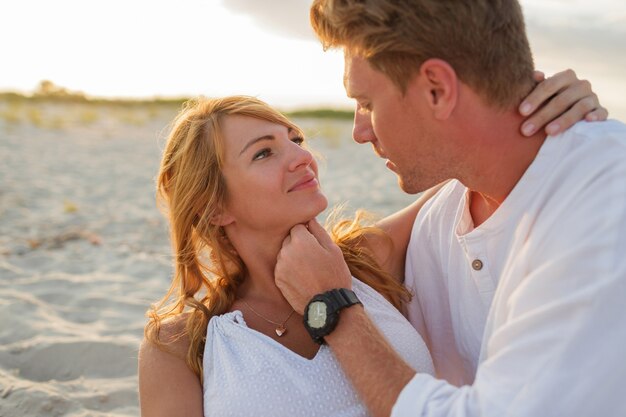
499,156
481,207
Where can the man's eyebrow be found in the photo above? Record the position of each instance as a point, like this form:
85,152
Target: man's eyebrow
350,89
345,85
256,140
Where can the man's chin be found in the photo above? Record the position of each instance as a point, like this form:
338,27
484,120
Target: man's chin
412,185
408,186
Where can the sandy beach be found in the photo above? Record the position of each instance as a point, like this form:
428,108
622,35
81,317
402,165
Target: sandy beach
84,249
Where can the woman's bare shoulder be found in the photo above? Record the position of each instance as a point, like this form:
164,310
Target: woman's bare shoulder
171,338
167,386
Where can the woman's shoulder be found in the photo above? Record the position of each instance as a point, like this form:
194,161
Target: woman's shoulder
167,386
170,338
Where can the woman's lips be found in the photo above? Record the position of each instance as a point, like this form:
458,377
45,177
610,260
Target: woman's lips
305,184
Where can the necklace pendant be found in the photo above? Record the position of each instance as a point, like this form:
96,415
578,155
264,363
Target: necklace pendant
280,331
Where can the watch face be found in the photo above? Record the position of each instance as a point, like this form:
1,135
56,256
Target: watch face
316,315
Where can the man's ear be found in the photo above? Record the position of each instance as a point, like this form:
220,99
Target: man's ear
439,82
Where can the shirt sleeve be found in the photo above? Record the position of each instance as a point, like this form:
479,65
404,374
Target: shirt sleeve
558,340
564,358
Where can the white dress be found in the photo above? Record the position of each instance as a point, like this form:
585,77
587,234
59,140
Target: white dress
246,373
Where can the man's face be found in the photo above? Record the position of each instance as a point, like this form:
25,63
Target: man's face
399,127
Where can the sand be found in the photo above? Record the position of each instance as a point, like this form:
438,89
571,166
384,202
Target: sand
84,250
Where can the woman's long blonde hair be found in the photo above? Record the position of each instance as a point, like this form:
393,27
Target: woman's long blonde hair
191,190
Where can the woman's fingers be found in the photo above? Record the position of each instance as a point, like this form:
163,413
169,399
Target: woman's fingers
598,114
544,91
539,76
562,111
572,100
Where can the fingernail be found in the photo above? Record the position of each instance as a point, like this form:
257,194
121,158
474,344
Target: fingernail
592,118
525,108
552,128
528,129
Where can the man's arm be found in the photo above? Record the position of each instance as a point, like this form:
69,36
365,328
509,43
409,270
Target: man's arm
555,340
375,368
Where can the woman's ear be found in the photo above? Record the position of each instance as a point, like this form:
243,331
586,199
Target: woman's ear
439,83
221,218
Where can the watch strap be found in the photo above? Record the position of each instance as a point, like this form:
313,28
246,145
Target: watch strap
335,300
342,298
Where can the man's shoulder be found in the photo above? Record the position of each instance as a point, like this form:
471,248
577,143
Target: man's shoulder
437,218
581,199
448,196
595,140
603,128
444,205
590,156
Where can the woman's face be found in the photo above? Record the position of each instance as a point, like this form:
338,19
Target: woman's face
271,180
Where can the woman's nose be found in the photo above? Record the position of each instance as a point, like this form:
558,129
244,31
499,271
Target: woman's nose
300,157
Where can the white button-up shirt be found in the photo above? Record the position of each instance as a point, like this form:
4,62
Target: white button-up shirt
525,315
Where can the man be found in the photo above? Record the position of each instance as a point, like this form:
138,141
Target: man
517,264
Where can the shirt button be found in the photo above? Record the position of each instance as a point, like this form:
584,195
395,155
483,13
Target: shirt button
477,264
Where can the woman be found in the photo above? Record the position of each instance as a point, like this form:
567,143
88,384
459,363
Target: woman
235,179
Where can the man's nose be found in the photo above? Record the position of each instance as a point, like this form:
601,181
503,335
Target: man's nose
362,131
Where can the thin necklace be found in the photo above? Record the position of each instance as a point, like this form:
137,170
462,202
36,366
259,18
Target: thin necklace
281,329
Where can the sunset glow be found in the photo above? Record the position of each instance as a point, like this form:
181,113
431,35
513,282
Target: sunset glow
164,48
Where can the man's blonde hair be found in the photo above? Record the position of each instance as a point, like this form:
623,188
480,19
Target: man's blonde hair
483,40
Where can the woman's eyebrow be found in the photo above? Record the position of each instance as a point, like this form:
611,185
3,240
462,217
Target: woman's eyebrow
253,141
261,138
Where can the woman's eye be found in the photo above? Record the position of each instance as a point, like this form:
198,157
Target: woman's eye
263,153
298,140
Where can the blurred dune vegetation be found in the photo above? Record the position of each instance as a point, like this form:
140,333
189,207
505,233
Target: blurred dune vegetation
51,106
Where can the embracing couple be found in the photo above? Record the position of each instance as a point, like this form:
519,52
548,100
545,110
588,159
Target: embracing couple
510,267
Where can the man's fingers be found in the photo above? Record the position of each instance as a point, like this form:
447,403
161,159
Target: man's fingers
300,235
320,234
299,232
313,232
538,76
287,241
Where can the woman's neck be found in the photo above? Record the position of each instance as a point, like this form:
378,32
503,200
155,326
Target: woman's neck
259,251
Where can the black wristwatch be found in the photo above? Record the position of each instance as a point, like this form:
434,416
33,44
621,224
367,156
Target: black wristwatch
321,315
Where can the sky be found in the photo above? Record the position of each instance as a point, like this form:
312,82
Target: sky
265,48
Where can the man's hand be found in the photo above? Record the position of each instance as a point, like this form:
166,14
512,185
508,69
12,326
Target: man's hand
560,101
308,264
